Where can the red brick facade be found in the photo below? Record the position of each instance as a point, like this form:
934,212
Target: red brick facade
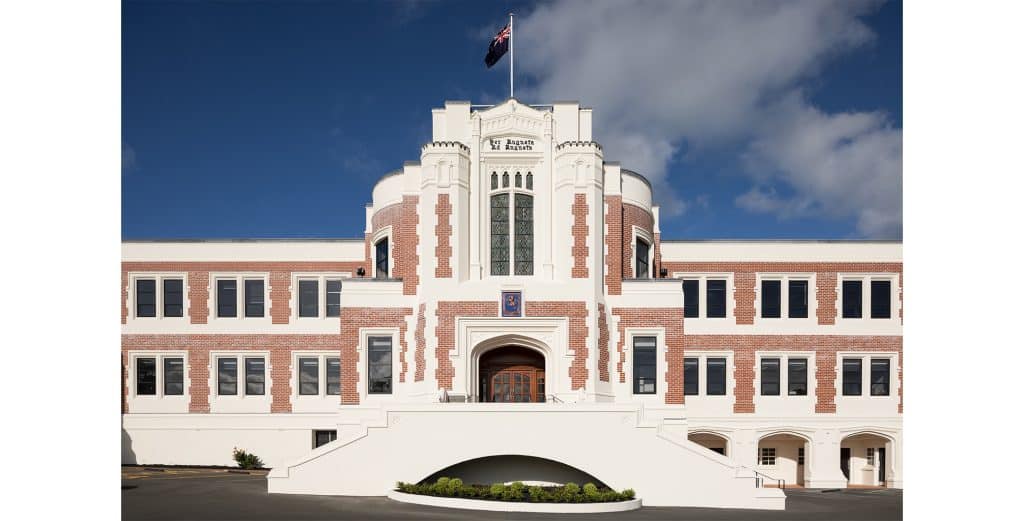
421,344
443,250
613,244
633,215
352,319
403,218
445,332
671,319
602,344
580,231
577,314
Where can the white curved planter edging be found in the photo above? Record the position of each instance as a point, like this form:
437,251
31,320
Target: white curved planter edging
515,506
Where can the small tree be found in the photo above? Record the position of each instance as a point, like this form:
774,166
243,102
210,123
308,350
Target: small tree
246,460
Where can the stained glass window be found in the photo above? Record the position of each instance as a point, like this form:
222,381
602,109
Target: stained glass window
494,180
499,234
524,234
519,180
529,181
504,180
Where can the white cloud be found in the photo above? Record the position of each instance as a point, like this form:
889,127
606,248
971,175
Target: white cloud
661,75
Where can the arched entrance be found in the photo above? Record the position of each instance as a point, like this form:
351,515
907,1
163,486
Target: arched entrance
712,441
864,459
512,374
784,456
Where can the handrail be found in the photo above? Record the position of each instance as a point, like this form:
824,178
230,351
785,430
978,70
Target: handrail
760,477
554,399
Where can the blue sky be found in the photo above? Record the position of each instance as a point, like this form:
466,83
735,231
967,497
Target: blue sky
270,119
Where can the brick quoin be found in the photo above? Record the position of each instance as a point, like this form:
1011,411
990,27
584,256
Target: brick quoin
352,319
580,230
403,218
577,314
602,344
280,296
613,244
198,347
745,281
656,265
671,319
124,297
745,349
421,343
446,313
198,296
443,251
633,215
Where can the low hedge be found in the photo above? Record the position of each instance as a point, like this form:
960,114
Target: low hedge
517,491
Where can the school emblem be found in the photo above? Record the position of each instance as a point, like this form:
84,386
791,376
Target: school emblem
511,303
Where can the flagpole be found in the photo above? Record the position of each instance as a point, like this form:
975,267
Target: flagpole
511,58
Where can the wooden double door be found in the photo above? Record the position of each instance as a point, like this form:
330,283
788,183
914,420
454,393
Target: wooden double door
520,383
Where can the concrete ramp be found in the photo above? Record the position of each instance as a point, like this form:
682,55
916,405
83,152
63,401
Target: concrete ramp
377,447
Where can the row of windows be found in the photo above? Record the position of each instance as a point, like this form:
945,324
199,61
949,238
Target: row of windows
227,294
252,371
645,373
795,304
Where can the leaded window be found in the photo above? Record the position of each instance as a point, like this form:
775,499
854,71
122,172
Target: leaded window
511,225
524,234
499,234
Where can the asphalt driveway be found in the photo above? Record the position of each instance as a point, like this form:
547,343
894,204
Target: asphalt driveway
217,494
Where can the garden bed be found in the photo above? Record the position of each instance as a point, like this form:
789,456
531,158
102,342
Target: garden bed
516,497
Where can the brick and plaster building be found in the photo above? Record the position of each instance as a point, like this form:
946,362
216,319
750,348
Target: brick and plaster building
512,310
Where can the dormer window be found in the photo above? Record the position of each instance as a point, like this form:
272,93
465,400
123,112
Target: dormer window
511,226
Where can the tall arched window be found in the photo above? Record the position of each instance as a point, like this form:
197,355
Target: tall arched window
512,228
382,259
642,259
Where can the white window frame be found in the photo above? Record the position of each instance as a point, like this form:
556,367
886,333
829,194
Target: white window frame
702,292
865,304
239,278
870,456
511,190
240,356
382,233
321,279
702,370
159,277
322,357
363,368
784,357
767,457
640,233
660,368
133,357
865,375
785,278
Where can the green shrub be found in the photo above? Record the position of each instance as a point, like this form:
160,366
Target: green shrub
516,491
571,489
497,490
590,491
627,494
454,487
536,494
245,459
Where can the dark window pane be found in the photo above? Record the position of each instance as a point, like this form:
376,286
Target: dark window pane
145,298
879,377
504,180
642,258
852,299
174,376
173,297
881,299
324,437
524,234
529,181
379,365
798,299
771,298
716,298
644,364
227,376
227,298
382,258
309,376
798,377
334,298
309,292
691,298
145,376
254,298
500,234
716,376
333,376
770,377
494,180
519,180
255,376
691,376
851,376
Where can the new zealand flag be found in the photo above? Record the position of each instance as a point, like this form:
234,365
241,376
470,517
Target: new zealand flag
499,46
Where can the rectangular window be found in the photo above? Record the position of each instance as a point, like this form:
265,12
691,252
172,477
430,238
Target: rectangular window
309,376
798,299
691,376
145,376
691,298
333,376
334,297
716,298
767,456
254,298
851,376
770,376
382,258
852,299
227,298
379,365
173,298
771,298
255,376
881,299
309,294
879,377
642,259
174,376
797,377
323,437
227,376
644,364
145,298
716,377
871,456
800,456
